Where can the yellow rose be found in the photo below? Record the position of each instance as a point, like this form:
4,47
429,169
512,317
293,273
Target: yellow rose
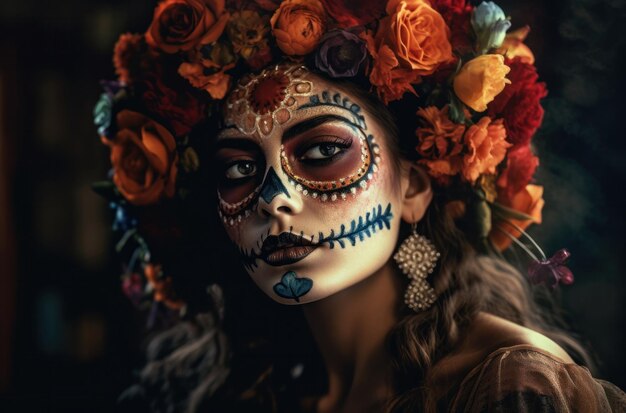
480,80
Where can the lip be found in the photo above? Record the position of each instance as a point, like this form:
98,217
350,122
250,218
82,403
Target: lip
285,248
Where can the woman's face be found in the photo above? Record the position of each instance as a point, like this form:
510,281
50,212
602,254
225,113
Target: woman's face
306,185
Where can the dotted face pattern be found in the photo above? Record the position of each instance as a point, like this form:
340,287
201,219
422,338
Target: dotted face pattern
341,188
261,102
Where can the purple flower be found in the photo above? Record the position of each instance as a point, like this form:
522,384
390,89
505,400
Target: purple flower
341,53
552,271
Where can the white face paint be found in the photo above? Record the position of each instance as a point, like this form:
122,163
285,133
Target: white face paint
306,188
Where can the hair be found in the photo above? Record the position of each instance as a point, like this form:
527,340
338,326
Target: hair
194,365
467,282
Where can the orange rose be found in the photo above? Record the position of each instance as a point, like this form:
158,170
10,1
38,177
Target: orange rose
439,142
298,26
162,287
418,35
528,201
418,38
480,80
513,46
184,24
486,145
143,155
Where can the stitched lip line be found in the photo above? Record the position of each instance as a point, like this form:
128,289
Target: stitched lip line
285,248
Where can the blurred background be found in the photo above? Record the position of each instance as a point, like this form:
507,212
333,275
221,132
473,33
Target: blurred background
69,339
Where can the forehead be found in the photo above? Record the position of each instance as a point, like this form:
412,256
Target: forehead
264,105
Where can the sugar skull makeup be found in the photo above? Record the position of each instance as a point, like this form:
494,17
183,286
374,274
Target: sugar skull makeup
303,186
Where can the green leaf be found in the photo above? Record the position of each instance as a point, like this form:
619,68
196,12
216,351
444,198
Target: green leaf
482,214
457,115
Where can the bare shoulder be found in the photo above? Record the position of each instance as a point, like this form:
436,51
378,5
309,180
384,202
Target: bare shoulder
489,333
485,335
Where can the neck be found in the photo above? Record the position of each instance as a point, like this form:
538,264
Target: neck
350,328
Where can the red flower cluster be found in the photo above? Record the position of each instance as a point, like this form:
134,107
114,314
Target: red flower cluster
520,167
519,103
457,14
350,13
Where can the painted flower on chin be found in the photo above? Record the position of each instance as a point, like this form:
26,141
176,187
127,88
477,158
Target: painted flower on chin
143,155
480,80
184,24
298,26
341,53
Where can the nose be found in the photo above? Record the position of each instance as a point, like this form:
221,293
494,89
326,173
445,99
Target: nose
275,199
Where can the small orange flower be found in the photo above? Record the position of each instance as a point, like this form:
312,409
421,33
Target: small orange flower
513,46
184,24
390,81
298,26
162,287
439,142
144,158
480,80
528,201
486,145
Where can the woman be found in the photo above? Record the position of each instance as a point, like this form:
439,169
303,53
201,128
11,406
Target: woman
383,215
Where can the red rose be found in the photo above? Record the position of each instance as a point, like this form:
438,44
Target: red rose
447,7
520,167
519,103
457,14
349,13
180,108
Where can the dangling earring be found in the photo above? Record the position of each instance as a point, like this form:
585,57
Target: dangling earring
417,258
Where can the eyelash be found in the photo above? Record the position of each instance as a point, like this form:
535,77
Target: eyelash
341,143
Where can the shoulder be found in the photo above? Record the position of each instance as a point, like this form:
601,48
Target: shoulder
502,366
485,336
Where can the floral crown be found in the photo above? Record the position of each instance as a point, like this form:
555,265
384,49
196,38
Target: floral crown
477,84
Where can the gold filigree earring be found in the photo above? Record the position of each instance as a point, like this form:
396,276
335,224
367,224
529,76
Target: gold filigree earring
417,258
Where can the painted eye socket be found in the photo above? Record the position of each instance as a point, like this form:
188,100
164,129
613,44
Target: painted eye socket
322,151
241,169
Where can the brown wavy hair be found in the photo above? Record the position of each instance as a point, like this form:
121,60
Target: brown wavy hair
468,279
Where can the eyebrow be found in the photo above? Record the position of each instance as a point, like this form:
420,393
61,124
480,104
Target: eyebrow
311,123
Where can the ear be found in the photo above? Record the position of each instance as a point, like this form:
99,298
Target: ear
417,192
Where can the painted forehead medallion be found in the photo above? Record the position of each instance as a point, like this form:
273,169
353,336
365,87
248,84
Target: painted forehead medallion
261,102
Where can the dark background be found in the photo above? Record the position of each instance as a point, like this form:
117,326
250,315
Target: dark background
69,339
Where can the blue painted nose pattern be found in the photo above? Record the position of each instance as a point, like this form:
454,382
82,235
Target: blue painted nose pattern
272,187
